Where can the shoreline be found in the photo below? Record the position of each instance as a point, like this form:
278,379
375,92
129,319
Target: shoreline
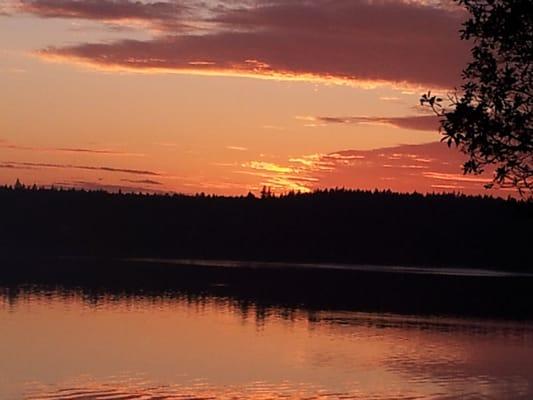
500,297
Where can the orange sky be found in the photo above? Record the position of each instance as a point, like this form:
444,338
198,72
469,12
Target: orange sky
225,97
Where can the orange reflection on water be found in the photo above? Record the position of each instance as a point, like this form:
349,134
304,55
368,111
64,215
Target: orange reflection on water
198,390
74,345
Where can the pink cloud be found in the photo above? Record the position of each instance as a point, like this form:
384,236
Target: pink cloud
431,167
355,41
424,168
163,15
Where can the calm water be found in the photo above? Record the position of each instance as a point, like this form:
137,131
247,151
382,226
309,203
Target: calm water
68,344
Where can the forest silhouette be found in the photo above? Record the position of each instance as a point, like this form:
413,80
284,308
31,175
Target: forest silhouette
335,226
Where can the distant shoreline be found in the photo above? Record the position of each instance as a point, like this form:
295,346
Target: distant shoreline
392,269
309,288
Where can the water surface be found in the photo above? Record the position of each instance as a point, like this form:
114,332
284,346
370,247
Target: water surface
77,344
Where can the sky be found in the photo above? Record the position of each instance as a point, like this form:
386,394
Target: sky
226,97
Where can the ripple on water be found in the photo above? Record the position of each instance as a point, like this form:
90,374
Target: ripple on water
151,347
138,388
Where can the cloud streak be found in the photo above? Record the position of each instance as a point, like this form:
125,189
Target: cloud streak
237,148
6,145
26,165
142,181
415,122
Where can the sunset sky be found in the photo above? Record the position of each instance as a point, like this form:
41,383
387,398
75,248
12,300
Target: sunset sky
225,97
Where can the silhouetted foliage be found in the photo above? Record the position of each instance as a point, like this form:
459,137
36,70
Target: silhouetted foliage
359,227
491,120
19,185
266,192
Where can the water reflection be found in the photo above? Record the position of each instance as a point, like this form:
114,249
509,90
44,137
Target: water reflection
59,343
139,389
267,287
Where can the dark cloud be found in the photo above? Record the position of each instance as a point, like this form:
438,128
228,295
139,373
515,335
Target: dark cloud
13,166
83,167
415,122
92,151
142,181
4,144
126,171
360,41
163,15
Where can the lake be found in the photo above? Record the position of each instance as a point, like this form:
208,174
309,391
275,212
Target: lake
78,341
114,329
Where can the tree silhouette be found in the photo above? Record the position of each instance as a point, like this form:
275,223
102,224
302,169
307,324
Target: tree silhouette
326,226
491,119
266,192
19,185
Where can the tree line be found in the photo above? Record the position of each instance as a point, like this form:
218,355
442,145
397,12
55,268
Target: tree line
336,225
